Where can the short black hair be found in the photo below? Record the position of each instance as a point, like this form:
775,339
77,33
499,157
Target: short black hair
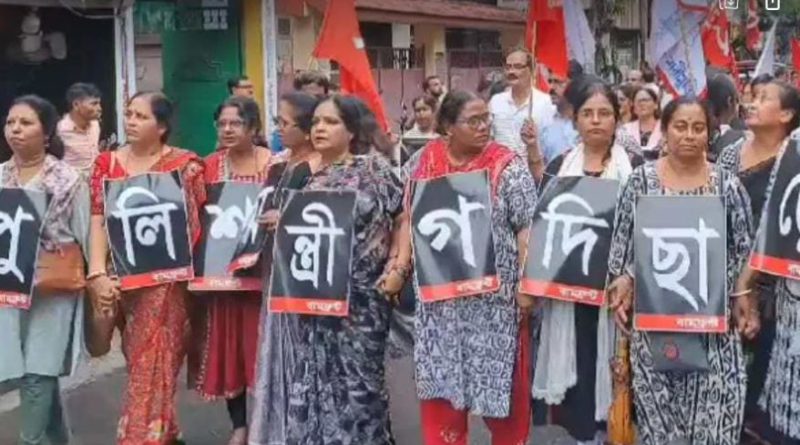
234,82
648,75
762,79
790,100
672,107
312,77
428,100
721,94
580,90
80,91
162,108
360,121
451,107
304,105
248,111
427,82
48,117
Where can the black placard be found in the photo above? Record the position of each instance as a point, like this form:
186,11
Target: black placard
147,229
313,254
570,239
229,215
777,244
451,219
22,215
680,264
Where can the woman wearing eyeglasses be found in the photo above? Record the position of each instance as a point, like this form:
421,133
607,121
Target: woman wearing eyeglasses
645,127
226,324
471,353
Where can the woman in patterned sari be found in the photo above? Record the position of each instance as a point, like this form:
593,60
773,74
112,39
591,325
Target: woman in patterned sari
471,353
321,379
770,119
156,321
43,342
779,103
226,323
686,408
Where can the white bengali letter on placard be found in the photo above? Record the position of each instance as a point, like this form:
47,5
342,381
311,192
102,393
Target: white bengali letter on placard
149,220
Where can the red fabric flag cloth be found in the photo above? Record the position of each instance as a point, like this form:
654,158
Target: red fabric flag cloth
340,40
753,35
546,19
717,40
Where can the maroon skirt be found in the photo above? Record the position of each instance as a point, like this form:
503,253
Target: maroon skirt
226,336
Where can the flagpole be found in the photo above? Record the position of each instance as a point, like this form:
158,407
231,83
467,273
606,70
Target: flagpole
686,48
534,68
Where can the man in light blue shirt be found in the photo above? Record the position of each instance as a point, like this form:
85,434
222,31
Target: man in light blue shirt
561,134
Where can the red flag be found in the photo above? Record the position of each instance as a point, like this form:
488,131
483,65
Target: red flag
340,40
549,47
753,34
717,40
796,58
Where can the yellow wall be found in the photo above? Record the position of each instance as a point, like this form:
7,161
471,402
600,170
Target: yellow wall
252,48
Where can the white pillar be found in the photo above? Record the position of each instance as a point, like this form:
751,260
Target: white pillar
124,65
270,47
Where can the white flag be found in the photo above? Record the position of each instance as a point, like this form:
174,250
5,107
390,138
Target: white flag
676,45
580,39
766,63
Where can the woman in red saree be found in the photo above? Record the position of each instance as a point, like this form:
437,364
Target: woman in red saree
226,323
156,321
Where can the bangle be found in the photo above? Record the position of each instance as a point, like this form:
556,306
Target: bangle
742,293
96,274
536,160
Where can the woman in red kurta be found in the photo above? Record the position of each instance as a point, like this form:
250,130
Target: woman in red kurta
156,321
226,326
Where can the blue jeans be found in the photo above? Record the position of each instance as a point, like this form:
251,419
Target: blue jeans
42,416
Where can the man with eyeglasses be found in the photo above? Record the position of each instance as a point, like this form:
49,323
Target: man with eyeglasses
521,109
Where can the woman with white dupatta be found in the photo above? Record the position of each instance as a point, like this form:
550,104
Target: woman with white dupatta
576,340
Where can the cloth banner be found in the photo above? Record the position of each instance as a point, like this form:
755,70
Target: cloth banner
147,230
230,214
313,254
777,244
680,264
22,215
451,219
570,239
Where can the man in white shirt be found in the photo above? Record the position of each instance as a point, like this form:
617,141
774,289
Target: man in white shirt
519,104
80,128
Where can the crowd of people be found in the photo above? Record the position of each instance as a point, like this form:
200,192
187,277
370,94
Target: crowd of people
513,359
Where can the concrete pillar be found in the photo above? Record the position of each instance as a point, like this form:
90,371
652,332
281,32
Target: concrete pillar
431,37
304,39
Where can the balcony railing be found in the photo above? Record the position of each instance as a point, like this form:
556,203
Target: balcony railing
396,58
475,58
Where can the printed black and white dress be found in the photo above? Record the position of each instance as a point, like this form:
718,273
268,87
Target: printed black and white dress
781,394
688,408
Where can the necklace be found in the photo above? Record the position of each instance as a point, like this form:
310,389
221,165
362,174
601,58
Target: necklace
164,151
229,164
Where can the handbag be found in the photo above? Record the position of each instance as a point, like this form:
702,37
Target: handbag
61,271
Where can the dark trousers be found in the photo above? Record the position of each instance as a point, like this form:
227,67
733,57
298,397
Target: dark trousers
237,410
